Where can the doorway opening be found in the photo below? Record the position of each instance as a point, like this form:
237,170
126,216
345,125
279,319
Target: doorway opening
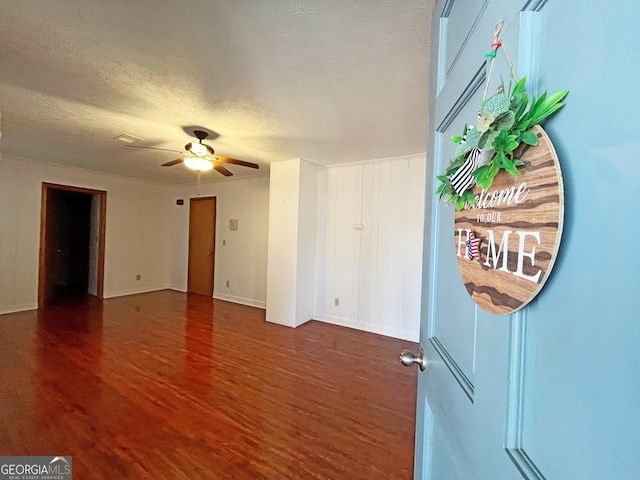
202,241
72,230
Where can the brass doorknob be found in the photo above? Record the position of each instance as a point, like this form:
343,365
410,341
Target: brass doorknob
408,358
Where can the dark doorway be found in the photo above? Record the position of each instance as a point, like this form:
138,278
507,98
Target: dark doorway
71,243
71,233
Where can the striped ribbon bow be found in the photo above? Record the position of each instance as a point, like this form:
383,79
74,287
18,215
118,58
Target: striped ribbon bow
462,180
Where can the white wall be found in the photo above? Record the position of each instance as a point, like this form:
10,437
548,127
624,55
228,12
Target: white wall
292,242
307,241
374,272
283,238
242,260
137,239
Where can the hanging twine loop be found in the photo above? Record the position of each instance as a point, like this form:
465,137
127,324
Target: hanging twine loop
495,45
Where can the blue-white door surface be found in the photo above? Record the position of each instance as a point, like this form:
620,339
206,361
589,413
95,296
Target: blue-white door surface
551,391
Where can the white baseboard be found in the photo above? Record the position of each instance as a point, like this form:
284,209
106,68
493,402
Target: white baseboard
303,322
18,308
368,327
241,300
134,291
228,298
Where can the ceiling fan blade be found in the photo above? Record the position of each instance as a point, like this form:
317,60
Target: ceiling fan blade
154,148
236,162
173,162
222,170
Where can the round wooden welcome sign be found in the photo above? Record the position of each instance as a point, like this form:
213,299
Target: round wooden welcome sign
506,244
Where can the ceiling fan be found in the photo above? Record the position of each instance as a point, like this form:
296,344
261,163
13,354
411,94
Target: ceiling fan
200,156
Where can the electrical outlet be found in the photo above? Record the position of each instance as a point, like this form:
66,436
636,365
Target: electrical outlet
336,302
138,277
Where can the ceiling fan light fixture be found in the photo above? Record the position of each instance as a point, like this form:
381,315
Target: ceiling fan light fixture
198,149
199,164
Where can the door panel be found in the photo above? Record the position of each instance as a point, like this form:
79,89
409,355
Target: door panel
581,358
465,20
466,58
443,465
552,390
453,327
51,253
202,228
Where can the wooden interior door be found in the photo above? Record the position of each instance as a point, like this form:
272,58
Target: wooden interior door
550,391
202,239
52,249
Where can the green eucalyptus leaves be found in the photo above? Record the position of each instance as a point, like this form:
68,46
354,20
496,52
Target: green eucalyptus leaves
503,124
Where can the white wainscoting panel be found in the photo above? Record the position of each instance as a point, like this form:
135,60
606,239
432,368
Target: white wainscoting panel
369,249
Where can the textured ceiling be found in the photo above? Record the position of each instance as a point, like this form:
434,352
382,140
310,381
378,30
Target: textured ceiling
323,80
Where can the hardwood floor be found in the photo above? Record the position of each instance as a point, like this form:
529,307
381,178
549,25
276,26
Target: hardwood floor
167,385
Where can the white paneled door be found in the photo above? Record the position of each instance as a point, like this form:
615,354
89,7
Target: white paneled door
552,391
